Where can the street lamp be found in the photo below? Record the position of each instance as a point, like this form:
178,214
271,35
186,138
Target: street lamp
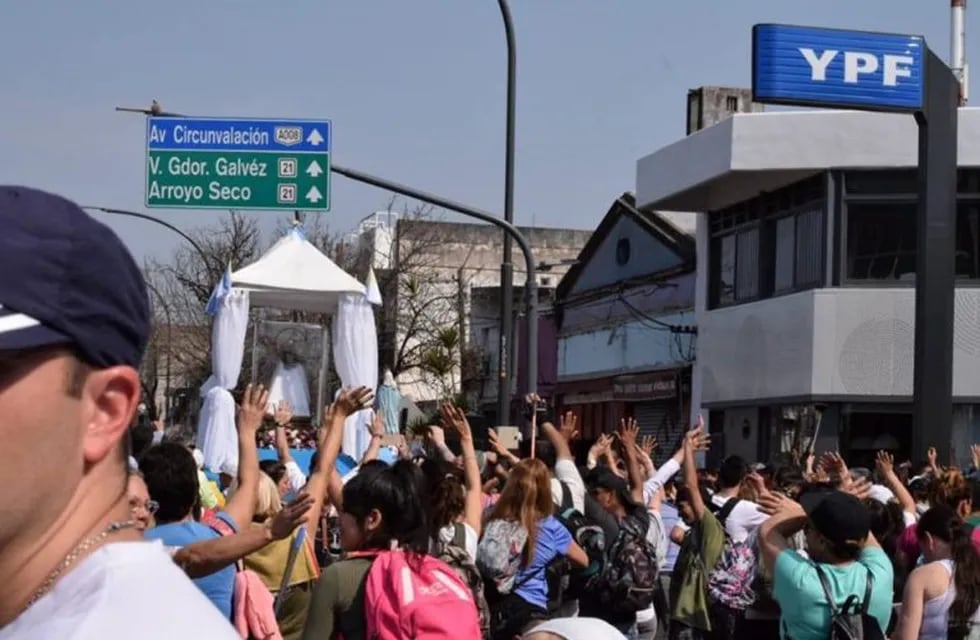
507,266
143,216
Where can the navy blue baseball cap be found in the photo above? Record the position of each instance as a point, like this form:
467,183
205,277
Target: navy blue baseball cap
67,279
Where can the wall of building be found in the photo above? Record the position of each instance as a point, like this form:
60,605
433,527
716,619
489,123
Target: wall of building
453,255
625,346
827,343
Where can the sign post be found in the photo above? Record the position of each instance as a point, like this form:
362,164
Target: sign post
898,73
210,163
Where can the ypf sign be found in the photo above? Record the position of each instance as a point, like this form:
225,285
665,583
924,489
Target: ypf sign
834,68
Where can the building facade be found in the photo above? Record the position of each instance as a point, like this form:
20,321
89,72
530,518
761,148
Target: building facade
624,317
441,285
806,270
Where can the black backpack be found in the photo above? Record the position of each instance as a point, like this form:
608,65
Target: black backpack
566,583
851,621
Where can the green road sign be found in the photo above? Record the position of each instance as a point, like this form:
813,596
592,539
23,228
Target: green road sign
238,164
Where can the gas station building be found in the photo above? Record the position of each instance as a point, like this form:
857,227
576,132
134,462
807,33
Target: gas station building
806,260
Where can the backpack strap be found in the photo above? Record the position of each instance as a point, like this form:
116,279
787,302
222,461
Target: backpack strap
867,592
726,510
834,610
566,498
459,536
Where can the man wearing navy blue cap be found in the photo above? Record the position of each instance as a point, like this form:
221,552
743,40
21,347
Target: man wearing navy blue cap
74,321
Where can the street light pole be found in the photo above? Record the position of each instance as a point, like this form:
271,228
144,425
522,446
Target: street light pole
143,216
531,290
506,266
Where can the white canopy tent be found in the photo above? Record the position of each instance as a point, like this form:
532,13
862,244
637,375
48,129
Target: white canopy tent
294,275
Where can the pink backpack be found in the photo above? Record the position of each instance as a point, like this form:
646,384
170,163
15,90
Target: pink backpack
424,600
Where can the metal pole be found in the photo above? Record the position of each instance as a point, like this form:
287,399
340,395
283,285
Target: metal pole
507,266
935,269
531,348
143,216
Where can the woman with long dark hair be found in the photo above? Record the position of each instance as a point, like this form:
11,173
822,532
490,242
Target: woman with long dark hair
382,509
942,597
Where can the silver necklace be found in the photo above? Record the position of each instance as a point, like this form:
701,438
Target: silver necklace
73,556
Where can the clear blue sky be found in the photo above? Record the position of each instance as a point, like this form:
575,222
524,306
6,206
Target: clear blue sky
415,89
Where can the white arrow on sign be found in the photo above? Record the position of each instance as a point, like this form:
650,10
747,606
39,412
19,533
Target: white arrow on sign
314,138
314,169
314,195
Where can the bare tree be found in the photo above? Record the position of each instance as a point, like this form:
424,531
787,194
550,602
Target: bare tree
180,289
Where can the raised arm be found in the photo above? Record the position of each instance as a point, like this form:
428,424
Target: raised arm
377,431
454,418
208,556
786,518
628,433
283,416
691,440
502,451
348,402
241,505
913,603
886,468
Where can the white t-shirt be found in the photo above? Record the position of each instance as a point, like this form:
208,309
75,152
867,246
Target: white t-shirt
567,472
123,590
744,519
446,535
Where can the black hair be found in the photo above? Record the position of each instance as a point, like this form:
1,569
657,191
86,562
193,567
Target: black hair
140,439
732,472
274,469
545,452
396,492
942,522
445,493
975,490
887,525
171,478
684,496
788,476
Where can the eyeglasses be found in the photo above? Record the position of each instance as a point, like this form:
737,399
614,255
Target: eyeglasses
151,506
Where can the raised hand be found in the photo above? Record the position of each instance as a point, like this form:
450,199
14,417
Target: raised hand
885,463
284,414
454,418
350,401
291,516
602,445
648,444
773,503
697,439
629,431
252,409
568,426
437,435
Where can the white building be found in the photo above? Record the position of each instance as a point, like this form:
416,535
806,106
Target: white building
806,266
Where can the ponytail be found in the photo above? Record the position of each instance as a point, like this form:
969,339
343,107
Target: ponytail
966,574
943,523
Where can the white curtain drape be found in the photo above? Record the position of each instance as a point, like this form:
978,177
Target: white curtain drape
217,436
355,347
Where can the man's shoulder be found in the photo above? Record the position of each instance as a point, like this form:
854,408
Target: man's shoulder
119,592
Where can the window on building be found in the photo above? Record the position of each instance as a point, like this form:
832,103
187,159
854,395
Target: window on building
785,265
731,103
881,241
881,226
770,245
747,265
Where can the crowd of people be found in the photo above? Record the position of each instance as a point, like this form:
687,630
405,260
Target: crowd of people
111,534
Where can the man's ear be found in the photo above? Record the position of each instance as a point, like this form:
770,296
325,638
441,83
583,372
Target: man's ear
109,401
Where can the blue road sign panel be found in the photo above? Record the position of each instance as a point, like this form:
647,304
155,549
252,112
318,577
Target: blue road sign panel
216,134
836,68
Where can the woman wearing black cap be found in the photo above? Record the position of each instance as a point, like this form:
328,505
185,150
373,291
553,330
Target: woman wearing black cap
844,560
